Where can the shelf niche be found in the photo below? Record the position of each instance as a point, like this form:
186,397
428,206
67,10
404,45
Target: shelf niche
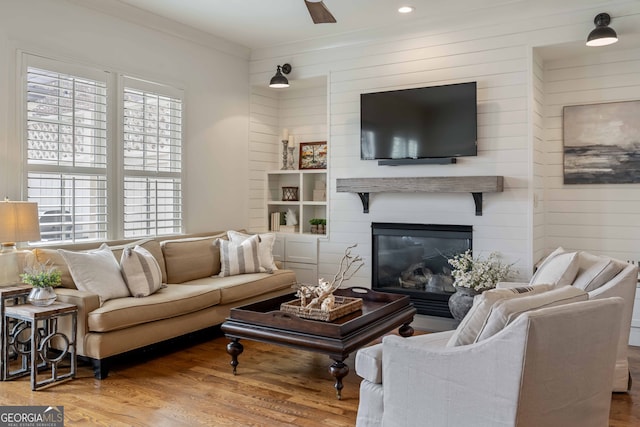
476,185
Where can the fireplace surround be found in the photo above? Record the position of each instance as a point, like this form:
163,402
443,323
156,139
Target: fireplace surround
411,259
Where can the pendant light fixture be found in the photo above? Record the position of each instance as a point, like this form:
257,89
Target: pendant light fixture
280,81
602,35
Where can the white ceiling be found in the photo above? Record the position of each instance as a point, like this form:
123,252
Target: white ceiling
264,23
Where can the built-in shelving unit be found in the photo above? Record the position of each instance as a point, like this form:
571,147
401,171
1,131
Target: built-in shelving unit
476,185
305,208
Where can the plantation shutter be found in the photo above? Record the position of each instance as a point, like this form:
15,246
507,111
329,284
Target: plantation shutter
66,153
152,143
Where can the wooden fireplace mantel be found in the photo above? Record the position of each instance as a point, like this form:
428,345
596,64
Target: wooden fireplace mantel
476,185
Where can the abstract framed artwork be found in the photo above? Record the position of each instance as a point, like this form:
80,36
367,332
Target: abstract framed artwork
602,143
313,155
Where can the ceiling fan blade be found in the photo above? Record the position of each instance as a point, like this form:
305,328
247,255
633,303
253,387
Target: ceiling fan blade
319,12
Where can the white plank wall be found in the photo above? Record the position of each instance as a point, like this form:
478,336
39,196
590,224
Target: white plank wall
600,218
494,51
537,118
302,109
264,146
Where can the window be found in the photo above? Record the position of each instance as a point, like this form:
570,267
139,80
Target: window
72,164
152,162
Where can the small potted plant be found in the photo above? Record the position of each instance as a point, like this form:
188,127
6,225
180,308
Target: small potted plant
43,278
314,225
322,226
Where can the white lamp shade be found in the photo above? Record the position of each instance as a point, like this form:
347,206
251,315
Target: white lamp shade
19,222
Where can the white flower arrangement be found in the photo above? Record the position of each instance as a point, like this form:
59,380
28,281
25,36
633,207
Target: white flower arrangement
478,274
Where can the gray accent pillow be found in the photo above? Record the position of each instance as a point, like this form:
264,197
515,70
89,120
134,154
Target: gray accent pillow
239,258
141,271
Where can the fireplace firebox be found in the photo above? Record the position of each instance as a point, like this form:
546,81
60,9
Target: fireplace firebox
411,259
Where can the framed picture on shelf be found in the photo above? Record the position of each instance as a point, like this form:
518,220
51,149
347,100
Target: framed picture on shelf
313,155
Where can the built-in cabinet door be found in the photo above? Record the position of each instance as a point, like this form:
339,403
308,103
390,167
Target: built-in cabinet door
305,273
301,249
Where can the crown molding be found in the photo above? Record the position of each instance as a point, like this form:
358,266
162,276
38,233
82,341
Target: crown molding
155,22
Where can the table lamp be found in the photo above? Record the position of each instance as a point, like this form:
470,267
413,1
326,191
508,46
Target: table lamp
18,223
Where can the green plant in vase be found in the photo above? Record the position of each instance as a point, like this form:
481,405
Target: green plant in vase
43,278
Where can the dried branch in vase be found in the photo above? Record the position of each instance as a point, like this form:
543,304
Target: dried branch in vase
321,295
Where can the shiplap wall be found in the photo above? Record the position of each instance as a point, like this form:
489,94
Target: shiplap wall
537,119
302,109
599,218
493,50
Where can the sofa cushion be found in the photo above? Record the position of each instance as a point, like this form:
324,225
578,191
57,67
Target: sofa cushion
191,258
239,258
140,271
595,271
170,301
559,268
470,327
237,288
97,272
265,247
507,310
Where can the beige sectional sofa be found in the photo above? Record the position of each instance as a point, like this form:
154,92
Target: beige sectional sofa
193,299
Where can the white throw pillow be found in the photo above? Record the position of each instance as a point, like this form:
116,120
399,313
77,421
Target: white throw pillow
265,247
97,272
595,271
140,271
472,324
507,310
239,258
559,268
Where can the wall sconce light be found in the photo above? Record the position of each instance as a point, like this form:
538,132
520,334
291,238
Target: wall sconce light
602,35
279,81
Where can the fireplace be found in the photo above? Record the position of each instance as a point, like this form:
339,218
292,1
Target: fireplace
411,259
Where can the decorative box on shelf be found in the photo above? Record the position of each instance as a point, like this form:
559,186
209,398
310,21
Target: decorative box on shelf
343,306
289,229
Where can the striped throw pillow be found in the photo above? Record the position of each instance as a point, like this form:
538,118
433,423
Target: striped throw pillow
239,258
140,271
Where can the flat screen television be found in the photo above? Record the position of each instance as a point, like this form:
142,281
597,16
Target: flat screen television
421,123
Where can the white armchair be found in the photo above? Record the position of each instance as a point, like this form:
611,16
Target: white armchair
622,285
550,367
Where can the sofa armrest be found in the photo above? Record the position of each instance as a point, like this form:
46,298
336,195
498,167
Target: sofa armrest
86,303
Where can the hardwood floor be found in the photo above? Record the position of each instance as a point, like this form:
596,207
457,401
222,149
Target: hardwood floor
193,386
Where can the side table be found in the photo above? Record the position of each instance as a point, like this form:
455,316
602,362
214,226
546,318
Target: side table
34,329
9,295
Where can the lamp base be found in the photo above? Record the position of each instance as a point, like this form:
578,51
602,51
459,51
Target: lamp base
13,263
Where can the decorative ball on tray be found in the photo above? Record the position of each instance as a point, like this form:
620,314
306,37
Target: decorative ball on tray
318,301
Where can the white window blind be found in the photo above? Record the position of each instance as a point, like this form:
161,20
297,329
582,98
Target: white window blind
66,115
152,141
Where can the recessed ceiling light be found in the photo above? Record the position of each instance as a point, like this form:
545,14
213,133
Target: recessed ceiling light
405,9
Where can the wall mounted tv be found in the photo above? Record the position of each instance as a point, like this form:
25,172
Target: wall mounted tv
405,126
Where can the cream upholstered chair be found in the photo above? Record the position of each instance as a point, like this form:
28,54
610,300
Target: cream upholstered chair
549,367
601,277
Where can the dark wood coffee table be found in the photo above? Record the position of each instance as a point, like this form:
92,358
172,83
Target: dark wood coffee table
263,321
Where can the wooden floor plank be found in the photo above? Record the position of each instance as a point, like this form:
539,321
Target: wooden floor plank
193,386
